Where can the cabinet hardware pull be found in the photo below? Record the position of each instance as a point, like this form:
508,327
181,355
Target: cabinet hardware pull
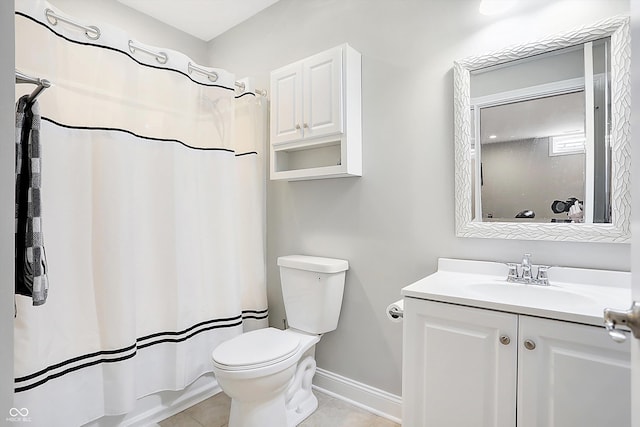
529,344
505,340
306,126
297,127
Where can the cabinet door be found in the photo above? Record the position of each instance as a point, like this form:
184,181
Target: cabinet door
286,104
456,371
323,94
576,376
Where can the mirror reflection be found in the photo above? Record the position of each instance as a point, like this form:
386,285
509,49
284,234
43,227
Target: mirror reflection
540,138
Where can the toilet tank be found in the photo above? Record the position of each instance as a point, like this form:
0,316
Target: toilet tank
312,289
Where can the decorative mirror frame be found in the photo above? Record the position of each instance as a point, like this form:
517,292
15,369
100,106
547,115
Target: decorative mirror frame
618,230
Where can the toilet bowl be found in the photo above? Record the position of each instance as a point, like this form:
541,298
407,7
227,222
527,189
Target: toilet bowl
268,372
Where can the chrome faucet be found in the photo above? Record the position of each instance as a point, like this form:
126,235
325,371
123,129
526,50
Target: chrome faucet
526,275
526,268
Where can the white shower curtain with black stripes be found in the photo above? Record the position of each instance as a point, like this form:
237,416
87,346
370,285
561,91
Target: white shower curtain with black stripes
153,221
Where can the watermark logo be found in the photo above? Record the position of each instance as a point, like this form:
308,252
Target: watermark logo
19,415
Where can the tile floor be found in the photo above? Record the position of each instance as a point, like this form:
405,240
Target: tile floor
331,412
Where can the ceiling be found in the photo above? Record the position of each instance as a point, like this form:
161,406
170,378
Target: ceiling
204,19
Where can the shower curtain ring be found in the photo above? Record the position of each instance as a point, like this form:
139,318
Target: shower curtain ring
161,57
211,75
53,19
95,30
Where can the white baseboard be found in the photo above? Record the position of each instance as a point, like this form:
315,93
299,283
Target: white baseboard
369,398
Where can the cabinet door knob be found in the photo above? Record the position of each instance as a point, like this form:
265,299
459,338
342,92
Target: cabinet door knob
297,127
505,340
306,126
529,344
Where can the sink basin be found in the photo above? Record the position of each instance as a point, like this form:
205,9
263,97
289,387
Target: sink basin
515,293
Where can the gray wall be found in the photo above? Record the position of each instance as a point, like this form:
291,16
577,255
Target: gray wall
7,167
393,223
519,175
541,70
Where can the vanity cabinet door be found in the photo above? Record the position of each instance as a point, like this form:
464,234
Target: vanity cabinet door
459,366
571,375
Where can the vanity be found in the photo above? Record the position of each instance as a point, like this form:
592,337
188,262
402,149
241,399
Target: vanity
480,350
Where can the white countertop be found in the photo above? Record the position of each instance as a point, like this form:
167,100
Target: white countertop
575,294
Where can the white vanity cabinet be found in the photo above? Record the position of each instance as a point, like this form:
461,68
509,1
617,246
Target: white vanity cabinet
467,366
571,375
315,120
455,371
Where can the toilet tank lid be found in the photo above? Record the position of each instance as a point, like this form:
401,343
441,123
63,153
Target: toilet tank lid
313,263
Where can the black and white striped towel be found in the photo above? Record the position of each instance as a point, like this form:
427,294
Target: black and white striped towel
30,261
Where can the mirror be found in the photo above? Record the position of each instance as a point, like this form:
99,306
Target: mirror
542,138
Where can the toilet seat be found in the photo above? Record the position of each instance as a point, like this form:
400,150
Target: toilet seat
255,349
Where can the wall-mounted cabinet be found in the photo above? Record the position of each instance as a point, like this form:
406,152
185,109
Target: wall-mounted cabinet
468,366
316,125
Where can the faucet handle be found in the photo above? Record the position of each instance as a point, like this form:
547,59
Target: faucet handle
543,274
512,276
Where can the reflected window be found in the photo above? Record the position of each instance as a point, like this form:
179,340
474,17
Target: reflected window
562,145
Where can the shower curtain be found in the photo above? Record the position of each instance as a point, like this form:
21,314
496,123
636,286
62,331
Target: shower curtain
153,220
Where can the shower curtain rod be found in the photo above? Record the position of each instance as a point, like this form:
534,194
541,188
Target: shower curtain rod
93,33
41,83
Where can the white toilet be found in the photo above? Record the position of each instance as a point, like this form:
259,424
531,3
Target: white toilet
268,372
